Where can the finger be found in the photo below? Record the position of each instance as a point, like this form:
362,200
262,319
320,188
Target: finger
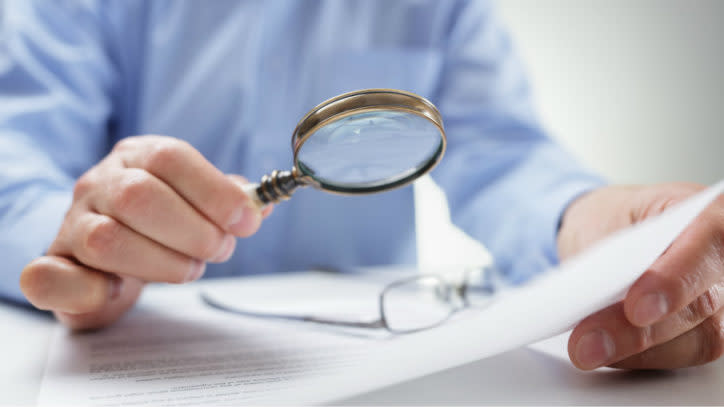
607,336
267,211
56,283
240,181
130,291
144,203
103,243
693,263
592,343
186,170
703,344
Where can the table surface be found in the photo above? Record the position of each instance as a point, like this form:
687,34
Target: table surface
539,374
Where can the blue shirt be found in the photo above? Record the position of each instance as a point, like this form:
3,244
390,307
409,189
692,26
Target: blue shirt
233,77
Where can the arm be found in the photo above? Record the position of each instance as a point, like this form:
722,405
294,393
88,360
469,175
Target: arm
90,226
673,315
531,204
507,182
56,91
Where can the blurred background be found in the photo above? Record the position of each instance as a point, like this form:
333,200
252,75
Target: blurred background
635,89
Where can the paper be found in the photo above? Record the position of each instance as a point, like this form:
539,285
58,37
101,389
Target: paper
174,351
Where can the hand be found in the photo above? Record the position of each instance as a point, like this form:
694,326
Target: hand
153,210
672,316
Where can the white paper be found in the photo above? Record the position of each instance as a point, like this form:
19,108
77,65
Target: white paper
226,359
174,350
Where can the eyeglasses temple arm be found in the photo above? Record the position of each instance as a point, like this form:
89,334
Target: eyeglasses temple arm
206,298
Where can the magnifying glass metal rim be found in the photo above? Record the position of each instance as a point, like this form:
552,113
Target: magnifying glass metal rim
279,185
359,102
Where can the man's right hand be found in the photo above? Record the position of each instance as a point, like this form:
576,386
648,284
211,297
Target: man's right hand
153,210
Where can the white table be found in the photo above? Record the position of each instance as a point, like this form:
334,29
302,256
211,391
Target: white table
540,374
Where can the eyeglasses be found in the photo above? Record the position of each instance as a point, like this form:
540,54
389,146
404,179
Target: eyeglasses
405,306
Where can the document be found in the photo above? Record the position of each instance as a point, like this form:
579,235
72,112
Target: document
173,350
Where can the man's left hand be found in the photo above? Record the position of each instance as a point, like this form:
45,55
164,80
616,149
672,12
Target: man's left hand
673,315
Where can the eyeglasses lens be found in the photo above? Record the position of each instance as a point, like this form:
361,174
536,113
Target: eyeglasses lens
416,304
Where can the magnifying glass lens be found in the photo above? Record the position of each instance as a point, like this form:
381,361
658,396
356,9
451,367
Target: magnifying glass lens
360,142
369,149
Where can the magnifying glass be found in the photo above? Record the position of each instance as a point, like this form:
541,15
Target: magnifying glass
360,142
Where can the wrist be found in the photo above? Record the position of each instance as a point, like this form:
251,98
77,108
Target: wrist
592,216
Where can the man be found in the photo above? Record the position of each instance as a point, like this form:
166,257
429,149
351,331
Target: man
90,212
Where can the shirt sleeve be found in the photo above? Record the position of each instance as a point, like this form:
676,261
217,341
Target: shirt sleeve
56,91
507,182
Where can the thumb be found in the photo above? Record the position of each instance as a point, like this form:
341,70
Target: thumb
80,297
243,182
130,291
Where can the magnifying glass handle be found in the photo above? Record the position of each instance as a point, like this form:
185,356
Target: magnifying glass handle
252,191
273,188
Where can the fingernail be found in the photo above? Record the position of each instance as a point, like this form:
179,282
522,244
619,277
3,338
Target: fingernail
236,218
594,349
226,250
197,270
115,283
649,309
250,218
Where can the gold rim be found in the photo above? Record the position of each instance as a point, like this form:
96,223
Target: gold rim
364,101
361,101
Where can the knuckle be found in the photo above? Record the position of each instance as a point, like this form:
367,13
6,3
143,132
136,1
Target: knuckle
690,314
134,143
702,307
100,239
643,339
125,144
165,153
688,283
712,347
83,186
709,302
133,193
207,248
